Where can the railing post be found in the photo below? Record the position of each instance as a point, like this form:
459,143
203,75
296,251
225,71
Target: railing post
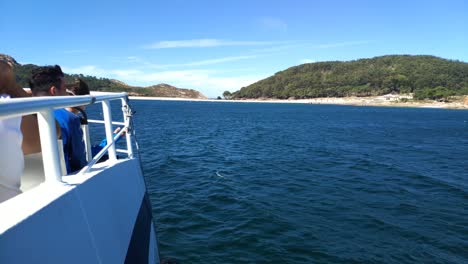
106,109
128,135
50,155
87,141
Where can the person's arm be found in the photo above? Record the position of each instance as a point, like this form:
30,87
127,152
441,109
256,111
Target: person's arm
18,92
116,131
31,139
77,149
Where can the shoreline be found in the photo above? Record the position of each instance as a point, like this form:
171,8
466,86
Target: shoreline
378,101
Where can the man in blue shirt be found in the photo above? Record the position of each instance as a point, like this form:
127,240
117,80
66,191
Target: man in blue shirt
72,137
49,81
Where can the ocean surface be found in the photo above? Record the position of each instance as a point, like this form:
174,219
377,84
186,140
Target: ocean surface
298,183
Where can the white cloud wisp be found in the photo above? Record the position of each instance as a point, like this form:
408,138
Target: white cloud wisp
203,43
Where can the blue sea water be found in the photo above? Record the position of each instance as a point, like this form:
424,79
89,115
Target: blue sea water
297,183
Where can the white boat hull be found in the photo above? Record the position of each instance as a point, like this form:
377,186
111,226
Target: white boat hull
102,216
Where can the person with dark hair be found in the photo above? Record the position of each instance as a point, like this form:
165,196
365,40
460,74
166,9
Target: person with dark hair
49,81
8,81
29,127
80,87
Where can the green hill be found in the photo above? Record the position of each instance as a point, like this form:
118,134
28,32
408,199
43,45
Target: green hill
428,77
23,73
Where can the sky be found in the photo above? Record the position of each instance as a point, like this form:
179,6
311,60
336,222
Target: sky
223,45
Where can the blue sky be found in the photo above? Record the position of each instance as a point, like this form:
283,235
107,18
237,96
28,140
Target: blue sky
213,46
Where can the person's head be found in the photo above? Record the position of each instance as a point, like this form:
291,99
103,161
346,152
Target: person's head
8,83
47,81
7,76
79,87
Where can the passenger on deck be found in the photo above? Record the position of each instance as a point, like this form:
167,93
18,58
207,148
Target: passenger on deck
49,81
31,140
11,168
79,87
12,160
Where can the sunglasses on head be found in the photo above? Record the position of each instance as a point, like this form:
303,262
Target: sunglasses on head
70,92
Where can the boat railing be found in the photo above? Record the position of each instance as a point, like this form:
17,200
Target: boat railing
44,107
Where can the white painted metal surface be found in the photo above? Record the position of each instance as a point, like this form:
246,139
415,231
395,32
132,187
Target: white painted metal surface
87,217
44,107
49,146
87,141
106,109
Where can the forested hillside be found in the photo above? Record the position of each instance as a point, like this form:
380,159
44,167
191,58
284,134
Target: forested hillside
428,77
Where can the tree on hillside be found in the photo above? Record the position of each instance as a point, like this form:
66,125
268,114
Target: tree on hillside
227,95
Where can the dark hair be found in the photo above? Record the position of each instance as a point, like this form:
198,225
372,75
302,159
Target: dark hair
7,63
79,87
45,77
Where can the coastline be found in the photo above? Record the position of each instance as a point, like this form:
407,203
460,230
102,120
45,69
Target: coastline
380,101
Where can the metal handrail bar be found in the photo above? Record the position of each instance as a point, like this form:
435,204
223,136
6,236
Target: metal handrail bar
27,106
101,153
44,106
32,105
95,121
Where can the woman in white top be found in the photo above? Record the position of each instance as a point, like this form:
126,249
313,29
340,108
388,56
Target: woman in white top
18,136
12,159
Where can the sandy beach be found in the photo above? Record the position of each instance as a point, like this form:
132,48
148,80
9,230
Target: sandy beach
385,101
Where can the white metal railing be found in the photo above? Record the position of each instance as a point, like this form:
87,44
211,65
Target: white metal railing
44,106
